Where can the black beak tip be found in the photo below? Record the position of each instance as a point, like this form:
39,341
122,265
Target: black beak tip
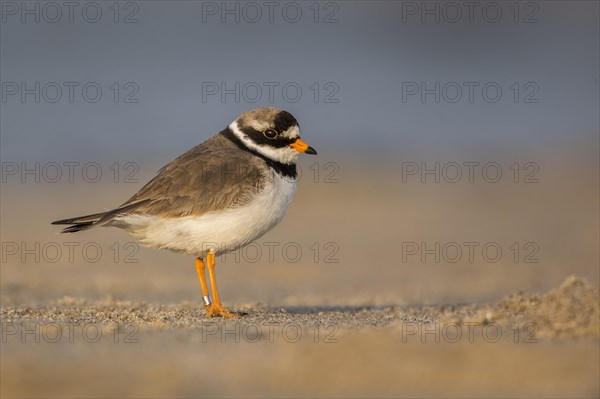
311,150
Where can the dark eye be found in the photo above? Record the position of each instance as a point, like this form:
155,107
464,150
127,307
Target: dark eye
271,134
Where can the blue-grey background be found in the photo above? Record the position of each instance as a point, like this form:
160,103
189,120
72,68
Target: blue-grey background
366,49
158,65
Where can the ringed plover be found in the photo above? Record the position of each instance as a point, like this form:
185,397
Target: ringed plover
217,197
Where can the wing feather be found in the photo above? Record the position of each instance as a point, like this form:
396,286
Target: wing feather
212,176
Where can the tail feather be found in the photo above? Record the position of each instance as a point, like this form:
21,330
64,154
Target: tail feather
78,227
88,221
80,223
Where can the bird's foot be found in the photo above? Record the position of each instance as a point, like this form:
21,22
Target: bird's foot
217,310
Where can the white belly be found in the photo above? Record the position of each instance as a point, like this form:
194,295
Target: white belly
221,231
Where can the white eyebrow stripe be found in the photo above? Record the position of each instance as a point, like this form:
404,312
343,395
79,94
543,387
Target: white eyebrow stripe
292,133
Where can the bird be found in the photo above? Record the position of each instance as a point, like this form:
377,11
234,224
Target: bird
215,198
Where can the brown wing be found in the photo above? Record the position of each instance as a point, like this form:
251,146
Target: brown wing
211,176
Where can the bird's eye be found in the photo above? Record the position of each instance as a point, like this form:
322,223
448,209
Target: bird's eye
271,134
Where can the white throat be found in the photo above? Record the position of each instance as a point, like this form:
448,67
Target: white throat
286,155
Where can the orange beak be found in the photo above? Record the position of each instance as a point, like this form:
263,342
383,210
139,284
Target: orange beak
301,146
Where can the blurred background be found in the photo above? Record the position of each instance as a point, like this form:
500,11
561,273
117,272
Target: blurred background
435,125
458,145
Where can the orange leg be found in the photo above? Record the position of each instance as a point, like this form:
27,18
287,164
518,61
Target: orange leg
216,309
201,276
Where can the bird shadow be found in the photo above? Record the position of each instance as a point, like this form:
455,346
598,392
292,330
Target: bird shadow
362,308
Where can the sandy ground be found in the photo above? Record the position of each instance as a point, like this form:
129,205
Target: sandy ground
523,345
353,316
